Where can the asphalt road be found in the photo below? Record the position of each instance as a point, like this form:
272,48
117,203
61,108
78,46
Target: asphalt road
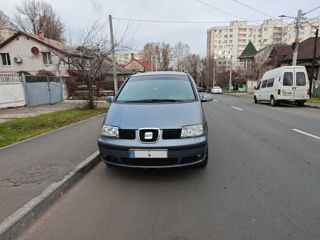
262,182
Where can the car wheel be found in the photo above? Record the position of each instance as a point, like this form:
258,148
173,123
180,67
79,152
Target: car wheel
204,163
255,99
273,102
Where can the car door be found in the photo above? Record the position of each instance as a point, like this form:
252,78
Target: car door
300,85
258,91
264,91
287,85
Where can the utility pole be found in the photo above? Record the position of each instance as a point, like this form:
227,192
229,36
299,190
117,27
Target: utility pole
313,61
230,74
114,67
296,44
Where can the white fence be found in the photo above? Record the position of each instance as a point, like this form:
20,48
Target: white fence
11,91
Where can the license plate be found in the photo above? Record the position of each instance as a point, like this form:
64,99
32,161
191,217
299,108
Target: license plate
145,153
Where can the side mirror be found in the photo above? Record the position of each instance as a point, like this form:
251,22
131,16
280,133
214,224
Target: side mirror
255,88
110,99
206,97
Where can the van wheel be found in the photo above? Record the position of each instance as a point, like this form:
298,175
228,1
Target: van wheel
272,101
255,99
300,103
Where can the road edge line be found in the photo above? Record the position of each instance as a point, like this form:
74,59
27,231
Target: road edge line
21,219
54,130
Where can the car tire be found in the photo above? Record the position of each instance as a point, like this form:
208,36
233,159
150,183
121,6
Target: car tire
204,163
273,102
255,99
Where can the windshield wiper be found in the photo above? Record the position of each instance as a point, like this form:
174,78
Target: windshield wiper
154,100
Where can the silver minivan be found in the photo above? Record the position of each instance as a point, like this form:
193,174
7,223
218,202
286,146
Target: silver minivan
156,120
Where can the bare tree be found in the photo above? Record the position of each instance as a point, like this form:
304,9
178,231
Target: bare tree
180,52
92,58
5,21
160,51
193,65
33,16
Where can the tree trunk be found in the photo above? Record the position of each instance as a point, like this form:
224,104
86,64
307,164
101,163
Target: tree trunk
90,94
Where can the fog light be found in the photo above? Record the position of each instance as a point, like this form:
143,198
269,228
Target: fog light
200,156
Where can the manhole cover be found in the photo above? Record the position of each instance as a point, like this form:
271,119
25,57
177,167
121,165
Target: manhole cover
34,175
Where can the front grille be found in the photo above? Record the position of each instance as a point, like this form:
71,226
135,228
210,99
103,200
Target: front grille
150,161
127,133
171,133
144,135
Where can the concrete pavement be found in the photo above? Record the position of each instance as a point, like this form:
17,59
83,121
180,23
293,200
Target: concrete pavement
27,168
261,182
22,112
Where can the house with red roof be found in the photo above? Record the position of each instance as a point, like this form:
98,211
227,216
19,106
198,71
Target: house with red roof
139,65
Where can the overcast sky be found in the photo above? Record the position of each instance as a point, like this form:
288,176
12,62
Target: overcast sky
81,13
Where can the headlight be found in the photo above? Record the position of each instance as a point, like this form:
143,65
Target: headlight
192,131
110,131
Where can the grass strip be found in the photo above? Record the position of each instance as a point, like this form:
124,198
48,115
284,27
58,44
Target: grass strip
24,128
314,100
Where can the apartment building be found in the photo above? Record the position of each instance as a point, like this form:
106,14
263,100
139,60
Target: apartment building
226,43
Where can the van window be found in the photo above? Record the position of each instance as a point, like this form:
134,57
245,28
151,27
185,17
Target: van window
288,79
270,82
301,79
264,83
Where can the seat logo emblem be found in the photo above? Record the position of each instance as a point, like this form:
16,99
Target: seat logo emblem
148,135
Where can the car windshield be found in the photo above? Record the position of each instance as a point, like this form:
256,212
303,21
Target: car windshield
153,88
217,88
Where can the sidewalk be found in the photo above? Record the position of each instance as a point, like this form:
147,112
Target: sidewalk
250,95
27,168
21,112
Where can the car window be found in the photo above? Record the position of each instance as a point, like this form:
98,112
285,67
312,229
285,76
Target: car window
270,82
301,79
288,79
157,87
264,83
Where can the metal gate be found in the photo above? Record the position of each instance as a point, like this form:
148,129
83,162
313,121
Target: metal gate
41,90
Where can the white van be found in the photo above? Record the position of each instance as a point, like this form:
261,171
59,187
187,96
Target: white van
283,84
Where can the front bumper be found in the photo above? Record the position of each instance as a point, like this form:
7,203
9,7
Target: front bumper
181,152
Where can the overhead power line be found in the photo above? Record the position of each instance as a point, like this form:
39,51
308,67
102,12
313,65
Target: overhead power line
311,10
254,9
176,21
220,10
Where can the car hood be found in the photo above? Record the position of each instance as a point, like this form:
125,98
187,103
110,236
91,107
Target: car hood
154,115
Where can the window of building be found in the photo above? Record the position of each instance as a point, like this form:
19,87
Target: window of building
288,79
230,35
265,29
225,36
301,79
220,31
47,59
265,40
5,59
230,41
230,30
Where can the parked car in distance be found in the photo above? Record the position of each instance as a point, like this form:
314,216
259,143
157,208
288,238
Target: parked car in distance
216,89
156,120
283,84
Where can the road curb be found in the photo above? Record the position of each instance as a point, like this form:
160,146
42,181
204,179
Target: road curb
17,222
310,106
